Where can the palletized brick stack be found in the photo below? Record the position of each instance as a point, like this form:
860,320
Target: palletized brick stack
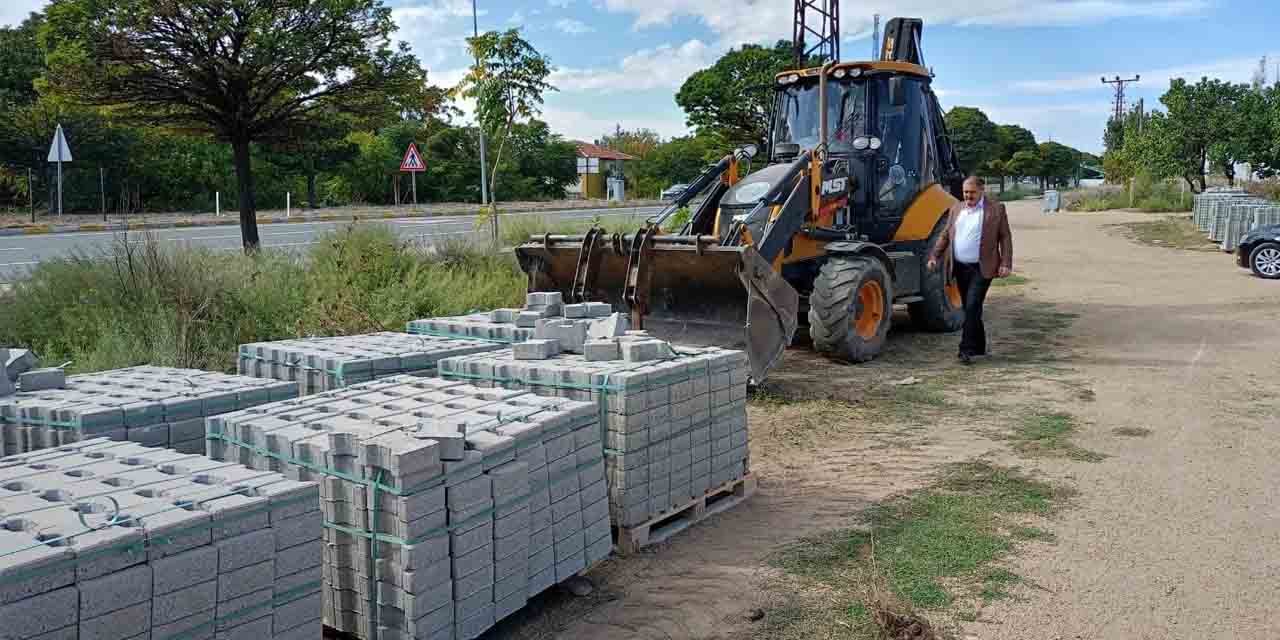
105,540
446,505
154,406
511,325
675,422
322,364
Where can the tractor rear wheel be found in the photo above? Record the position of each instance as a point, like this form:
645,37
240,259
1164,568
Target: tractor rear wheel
942,309
851,308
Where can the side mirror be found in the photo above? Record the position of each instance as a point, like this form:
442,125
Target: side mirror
897,92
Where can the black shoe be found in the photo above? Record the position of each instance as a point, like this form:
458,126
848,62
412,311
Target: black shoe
965,358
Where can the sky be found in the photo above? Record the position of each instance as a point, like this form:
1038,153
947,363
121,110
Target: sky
1036,63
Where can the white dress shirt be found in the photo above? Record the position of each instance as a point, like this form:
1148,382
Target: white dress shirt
968,243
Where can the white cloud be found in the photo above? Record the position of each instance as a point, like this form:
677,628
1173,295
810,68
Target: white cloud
1231,70
433,28
664,67
573,27
579,125
560,4
13,12
765,20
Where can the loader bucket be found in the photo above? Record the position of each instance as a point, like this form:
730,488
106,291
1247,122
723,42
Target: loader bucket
683,289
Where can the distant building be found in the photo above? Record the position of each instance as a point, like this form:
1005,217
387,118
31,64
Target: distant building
595,165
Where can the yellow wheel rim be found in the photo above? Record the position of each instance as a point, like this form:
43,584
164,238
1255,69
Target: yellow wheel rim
870,309
953,295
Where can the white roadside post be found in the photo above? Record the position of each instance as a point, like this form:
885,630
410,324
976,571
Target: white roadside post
59,152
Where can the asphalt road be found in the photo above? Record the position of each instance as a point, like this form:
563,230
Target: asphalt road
18,254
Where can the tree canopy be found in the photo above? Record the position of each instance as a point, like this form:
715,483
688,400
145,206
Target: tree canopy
731,98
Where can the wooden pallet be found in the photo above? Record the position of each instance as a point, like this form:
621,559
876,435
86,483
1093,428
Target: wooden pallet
661,528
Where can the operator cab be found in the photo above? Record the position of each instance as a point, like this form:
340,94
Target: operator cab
879,134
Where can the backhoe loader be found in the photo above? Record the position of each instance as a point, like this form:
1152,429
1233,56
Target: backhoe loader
829,235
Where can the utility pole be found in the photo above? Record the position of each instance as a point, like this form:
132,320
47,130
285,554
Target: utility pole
875,38
484,178
1118,107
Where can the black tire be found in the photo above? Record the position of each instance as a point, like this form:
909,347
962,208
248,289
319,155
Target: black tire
940,311
837,310
1264,260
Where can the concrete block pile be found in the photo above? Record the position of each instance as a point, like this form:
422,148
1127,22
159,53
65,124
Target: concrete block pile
322,364
446,505
16,366
105,540
154,406
675,421
515,325
1227,215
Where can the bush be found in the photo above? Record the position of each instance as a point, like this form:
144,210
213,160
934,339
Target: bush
1017,193
1269,189
142,303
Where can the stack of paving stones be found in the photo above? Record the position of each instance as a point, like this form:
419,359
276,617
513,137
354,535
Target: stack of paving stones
675,420
446,505
323,364
513,325
1203,207
154,406
103,540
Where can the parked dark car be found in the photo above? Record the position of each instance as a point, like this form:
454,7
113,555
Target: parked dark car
1260,251
674,191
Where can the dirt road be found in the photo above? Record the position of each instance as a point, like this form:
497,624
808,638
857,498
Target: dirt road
1172,535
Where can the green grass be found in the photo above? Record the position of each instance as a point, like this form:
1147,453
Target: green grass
919,553
996,584
1012,281
1014,194
192,308
927,546
1132,432
1174,233
1049,435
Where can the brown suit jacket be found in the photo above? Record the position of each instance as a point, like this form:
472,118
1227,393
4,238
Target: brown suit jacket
996,249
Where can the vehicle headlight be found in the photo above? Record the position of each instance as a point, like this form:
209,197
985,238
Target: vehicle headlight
839,73
855,72
791,78
875,143
861,143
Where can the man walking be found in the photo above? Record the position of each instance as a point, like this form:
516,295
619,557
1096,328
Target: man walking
977,247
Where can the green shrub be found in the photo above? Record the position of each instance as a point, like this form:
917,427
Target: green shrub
187,307
1147,196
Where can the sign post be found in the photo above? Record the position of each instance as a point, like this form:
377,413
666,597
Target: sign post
414,164
59,152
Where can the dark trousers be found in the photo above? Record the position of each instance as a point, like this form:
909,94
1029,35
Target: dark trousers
974,289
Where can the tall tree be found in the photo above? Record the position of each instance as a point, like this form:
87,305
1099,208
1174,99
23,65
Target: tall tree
974,137
1057,163
732,97
244,71
1201,118
1010,139
507,83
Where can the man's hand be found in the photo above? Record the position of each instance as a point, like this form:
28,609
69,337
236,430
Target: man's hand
1003,272
932,264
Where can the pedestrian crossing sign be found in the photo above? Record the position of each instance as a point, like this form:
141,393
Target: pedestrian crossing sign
413,160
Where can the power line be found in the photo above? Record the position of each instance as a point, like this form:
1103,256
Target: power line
1118,107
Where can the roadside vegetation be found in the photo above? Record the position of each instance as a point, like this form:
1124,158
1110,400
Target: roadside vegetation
141,303
1144,194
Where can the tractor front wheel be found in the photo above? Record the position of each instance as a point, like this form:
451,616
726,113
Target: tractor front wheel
851,308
